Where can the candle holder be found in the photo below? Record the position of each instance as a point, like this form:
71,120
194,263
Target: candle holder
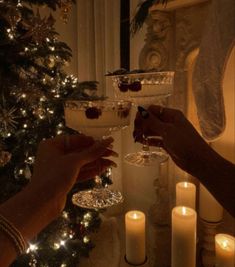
144,264
210,229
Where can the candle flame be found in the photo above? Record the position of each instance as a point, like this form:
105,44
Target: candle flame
135,216
184,210
185,184
225,243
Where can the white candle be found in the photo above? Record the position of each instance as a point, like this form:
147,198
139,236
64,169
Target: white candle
225,250
135,237
183,237
185,194
209,208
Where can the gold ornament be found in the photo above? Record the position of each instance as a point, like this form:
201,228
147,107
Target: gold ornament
5,157
65,6
7,120
39,29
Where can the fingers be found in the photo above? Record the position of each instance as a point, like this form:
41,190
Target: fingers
97,150
68,143
77,141
92,169
164,114
150,125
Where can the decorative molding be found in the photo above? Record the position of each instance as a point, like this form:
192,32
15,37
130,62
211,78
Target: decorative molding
176,4
155,53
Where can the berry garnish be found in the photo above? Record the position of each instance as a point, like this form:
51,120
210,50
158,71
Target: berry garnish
93,113
123,86
135,86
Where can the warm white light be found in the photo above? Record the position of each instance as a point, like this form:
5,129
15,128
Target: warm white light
225,244
86,239
65,214
184,210
32,247
62,242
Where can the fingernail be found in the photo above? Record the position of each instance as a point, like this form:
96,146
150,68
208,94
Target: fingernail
107,140
114,164
143,112
114,154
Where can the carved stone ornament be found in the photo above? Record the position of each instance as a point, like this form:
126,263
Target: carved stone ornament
155,53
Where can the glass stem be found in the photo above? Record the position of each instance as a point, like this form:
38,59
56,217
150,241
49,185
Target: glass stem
145,147
98,182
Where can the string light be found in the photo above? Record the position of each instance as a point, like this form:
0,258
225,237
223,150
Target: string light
32,248
65,214
86,239
62,242
56,246
87,216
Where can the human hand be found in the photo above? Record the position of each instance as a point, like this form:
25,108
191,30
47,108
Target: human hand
179,137
64,160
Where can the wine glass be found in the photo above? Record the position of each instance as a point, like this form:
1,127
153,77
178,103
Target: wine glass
97,119
144,89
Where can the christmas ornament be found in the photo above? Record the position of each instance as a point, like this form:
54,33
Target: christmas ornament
13,17
39,29
65,6
5,157
7,120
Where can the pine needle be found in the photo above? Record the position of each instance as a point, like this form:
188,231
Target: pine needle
142,13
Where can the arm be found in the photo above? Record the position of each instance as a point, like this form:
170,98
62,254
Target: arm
190,152
44,198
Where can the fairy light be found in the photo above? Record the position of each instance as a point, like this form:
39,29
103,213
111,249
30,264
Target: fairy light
56,246
32,248
23,112
62,242
51,111
86,239
86,224
52,48
26,49
87,216
25,125
65,214
10,33
65,234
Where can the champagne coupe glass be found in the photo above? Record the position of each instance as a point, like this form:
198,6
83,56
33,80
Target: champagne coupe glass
97,119
144,89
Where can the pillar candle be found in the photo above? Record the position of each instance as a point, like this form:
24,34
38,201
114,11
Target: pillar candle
209,208
135,237
225,250
183,239
185,194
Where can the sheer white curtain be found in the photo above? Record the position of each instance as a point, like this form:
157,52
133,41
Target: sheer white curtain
98,40
98,31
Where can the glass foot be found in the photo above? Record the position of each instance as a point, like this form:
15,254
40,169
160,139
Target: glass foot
144,159
97,198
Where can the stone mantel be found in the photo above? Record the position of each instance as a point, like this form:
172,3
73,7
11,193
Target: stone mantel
175,4
173,35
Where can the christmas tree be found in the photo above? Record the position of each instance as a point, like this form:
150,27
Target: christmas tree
33,89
